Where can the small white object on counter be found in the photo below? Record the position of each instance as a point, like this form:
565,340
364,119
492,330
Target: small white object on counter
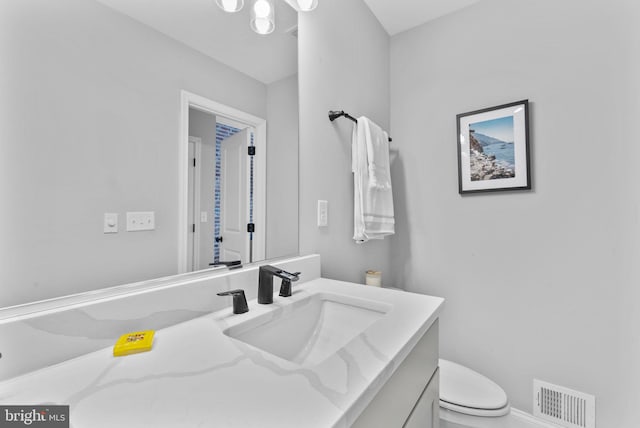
374,278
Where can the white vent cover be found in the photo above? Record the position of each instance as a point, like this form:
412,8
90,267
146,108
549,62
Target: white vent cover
563,406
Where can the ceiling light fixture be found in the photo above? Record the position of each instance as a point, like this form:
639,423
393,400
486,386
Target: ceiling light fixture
263,17
307,5
230,5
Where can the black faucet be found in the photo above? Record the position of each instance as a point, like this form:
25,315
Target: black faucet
239,301
265,283
233,264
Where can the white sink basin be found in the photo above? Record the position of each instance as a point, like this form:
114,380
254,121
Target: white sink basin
310,330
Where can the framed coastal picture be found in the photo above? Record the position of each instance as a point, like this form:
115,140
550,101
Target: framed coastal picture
493,149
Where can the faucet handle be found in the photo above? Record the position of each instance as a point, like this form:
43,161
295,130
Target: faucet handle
239,300
288,276
233,264
285,286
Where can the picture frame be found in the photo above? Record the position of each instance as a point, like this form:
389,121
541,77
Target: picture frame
493,149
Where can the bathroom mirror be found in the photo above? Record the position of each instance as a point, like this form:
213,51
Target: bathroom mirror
90,127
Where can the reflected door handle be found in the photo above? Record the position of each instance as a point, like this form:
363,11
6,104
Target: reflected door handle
219,239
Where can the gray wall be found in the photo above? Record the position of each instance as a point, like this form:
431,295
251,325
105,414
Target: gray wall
203,125
282,167
343,64
90,124
540,284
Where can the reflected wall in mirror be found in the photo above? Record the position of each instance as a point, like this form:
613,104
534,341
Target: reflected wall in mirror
90,124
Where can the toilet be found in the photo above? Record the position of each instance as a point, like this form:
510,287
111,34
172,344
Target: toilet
469,399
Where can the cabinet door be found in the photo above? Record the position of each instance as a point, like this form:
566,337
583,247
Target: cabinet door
393,404
426,413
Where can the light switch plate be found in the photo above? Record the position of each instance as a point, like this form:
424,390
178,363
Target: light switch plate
323,213
141,220
110,223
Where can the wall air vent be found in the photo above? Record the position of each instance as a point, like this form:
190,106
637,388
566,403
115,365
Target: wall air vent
563,406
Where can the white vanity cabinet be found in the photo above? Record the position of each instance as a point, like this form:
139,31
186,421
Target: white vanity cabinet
409,399
425,414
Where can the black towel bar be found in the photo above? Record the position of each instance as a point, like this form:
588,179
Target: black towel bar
334,114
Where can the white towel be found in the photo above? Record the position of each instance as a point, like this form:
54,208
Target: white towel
373,198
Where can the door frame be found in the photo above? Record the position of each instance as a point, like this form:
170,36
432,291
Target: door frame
191,100
197,190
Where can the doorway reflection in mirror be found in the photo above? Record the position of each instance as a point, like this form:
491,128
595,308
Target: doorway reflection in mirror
221,190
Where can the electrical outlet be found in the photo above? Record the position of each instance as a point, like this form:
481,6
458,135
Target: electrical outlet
323,213
138,221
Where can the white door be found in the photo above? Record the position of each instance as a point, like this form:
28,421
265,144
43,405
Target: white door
234,196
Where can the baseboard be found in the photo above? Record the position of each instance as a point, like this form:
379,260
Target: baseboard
530,418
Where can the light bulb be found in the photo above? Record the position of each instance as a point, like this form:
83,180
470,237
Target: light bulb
230,5
262,8
307,5
263,25
263,20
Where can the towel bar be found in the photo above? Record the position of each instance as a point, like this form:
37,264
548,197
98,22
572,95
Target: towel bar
334,114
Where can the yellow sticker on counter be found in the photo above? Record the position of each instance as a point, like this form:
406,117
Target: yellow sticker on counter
133,343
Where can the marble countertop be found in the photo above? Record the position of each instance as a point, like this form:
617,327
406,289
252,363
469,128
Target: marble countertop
196,376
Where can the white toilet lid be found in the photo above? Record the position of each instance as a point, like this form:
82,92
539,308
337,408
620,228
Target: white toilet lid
467,389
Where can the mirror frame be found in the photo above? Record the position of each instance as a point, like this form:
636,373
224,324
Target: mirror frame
191,100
